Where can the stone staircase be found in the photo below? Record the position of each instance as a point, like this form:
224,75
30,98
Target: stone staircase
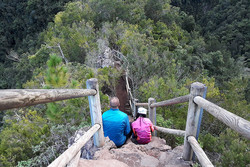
154,154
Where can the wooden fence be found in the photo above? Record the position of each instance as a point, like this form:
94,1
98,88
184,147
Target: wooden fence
28,97
196,101
67,156
15,98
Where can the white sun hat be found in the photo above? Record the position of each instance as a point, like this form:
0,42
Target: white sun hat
142,110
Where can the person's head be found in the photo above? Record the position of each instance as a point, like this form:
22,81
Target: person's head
142,112
114,103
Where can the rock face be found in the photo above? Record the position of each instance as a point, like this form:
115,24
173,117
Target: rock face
154,154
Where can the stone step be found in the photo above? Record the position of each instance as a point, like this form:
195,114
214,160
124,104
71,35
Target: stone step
154,154
101,163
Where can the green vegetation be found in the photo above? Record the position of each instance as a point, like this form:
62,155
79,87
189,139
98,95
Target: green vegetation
20,26
22,131
167,46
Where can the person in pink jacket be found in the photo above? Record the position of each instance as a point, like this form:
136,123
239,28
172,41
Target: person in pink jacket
142,127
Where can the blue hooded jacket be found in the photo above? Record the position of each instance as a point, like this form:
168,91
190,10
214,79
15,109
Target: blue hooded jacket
116,126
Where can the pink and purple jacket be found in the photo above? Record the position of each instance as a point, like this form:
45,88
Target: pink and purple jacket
142,129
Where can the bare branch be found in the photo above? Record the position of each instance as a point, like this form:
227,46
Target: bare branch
13,56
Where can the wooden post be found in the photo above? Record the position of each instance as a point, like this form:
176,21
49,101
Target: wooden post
95,111
135,108
152,113
197,89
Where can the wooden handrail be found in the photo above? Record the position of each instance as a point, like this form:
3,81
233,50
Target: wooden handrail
177,100
15,98
170,131
235,122
141,104
201,155
72,151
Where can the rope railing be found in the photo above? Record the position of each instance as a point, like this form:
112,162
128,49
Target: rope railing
72,151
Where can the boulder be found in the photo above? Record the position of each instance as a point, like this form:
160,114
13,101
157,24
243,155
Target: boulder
104,153
173,158
134,155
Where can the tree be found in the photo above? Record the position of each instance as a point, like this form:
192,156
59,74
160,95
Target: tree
21,22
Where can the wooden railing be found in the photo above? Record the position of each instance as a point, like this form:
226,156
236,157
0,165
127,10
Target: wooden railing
28,97
67,156
15,98
196,101
177,100
235,122
131,99
152,105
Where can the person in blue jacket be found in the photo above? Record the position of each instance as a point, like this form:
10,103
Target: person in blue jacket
116,123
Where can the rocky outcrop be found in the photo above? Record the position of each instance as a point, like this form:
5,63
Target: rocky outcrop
154,154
